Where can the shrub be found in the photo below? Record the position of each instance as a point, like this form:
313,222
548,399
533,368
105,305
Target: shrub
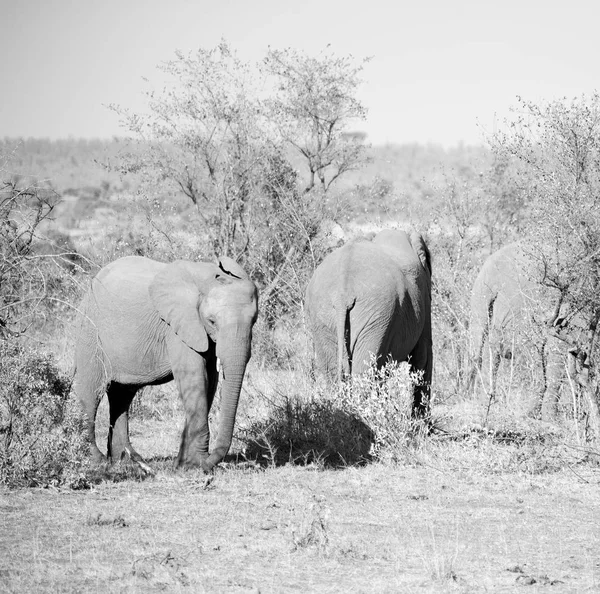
22,279
367,417
303,424
382,399
555,147
41,441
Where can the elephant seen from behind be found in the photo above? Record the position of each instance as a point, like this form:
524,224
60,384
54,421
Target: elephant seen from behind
516,314
374,298
144,322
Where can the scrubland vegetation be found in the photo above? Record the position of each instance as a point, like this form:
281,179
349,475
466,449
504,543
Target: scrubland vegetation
337,481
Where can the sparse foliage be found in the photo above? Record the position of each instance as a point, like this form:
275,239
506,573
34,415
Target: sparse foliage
312,106
557,148
383,399
23,282
205,136
41,440
212,136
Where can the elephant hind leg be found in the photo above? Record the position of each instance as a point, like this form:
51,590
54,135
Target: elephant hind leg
495,361
421,359
553,366
120,397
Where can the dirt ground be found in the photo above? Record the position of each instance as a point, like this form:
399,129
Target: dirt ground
372,529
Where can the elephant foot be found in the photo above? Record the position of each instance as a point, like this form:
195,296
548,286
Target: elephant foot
97,458
129,457
138,461
194,463
193,451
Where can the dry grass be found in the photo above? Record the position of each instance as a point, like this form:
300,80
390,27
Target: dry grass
472,507
373,529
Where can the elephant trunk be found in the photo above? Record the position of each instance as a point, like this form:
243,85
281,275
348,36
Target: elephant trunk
233,362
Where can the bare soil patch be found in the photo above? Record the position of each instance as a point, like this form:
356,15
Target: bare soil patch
373,529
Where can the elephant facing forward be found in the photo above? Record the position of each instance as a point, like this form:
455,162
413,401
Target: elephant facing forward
374,297
145,323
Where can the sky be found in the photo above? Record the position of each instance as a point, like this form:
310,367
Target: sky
442,71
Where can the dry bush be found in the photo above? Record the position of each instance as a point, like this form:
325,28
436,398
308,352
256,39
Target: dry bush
299,420
383,399
295,420
41,436
289,418
476,211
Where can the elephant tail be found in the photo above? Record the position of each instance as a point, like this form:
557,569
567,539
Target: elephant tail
344,367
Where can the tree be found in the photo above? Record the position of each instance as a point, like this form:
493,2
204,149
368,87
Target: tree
23,281
212,136
556,147
204,133
313,104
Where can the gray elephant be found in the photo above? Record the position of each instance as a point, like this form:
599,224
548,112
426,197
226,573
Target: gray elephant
374,297
144,323
516,314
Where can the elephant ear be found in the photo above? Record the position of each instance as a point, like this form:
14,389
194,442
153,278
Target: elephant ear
421,249
232,268
175,294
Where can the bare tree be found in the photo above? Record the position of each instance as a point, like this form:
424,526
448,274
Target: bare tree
313,104
22,280
219,134
556,146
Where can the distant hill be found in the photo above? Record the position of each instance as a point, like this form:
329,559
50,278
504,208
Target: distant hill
76,163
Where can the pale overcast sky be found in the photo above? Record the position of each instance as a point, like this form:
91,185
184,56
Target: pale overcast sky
442,70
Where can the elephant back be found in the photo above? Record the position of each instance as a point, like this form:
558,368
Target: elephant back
408,251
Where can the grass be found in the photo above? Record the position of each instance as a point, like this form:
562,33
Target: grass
377,528
325,490
440,564
285,418
472,507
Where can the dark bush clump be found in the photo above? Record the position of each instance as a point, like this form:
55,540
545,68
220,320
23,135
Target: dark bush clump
41,441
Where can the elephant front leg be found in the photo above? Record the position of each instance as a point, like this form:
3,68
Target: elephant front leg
196,377
89,396
193,450
119,446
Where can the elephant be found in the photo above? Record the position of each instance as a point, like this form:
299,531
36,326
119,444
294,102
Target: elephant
517,314
374,297
144,322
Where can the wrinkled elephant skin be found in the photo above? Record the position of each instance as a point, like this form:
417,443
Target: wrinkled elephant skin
144,322
373,298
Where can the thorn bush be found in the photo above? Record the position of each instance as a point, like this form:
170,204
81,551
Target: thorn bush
41,439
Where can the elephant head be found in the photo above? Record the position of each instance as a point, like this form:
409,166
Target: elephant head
211,307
